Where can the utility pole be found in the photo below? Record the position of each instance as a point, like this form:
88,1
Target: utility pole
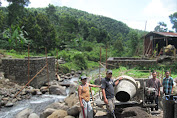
144,39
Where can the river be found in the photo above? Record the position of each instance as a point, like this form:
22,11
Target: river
38,103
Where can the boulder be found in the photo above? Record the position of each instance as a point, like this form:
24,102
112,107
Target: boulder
24,114
9,104
71,100
74,111
68,74
73,88
99,102
57,90
58,114
58,105
47,112
33,115
44,89
54,82
69,117
100,113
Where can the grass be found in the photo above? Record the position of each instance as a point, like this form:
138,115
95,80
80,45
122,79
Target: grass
20,55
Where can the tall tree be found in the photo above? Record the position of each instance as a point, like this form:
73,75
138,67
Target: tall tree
132,41
50,10
173,19
16,10
161,27
2,20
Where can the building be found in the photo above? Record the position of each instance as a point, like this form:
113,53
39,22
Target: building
155,41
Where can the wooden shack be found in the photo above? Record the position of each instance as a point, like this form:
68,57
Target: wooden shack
155,41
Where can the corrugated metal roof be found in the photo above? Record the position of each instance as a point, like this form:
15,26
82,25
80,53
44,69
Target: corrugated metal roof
167,34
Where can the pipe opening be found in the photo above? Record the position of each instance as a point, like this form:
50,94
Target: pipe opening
122,96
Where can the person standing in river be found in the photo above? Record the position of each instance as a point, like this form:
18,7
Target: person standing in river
107,86
84,97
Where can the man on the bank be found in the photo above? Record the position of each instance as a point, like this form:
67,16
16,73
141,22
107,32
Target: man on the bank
167,84
107,86
155,83
84,97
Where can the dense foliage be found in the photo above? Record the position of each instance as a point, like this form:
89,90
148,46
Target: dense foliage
77,35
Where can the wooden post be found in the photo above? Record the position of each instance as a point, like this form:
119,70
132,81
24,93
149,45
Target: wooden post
166,41
47,66
159,55
57,61
175,54
162,76
100,66
148,47
28,65
170,72
106,58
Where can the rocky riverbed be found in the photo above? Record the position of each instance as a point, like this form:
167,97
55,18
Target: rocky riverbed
60,100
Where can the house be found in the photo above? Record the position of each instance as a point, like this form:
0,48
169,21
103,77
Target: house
156,41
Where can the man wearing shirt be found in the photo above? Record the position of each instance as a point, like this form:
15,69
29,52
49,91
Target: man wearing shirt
155,83
107,86
167,84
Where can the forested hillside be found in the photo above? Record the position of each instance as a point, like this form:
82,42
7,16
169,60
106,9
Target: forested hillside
77,35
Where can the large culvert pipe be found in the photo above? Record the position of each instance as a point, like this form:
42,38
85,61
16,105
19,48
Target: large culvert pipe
126,89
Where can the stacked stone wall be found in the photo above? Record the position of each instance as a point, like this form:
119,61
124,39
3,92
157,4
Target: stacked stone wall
17,70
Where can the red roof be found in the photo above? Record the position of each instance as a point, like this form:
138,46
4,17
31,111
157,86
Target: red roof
166,34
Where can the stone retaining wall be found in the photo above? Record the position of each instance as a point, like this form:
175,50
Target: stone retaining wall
17,70
115,62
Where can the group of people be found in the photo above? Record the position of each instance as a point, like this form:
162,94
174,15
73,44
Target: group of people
107,87
167,84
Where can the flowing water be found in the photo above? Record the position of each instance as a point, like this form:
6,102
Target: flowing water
38,103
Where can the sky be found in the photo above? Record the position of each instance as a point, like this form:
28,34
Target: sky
137,14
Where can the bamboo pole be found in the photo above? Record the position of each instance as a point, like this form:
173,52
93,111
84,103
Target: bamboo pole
28,65
30,80
47,66
102,65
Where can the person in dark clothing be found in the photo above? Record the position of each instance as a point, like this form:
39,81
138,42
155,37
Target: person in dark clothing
107,86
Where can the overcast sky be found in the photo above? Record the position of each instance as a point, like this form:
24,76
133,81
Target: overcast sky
134,13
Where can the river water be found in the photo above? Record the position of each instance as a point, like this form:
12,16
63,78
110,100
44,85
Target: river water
38,103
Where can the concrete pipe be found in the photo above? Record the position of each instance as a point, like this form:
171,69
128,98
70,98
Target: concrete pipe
126,89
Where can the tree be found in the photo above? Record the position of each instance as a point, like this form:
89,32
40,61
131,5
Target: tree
2,21
50,10
161,27
16,10
15,36
132,42
173,19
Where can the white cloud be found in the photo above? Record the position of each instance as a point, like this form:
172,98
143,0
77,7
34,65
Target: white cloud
39,3
4,3
156,8
157,11
65,2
